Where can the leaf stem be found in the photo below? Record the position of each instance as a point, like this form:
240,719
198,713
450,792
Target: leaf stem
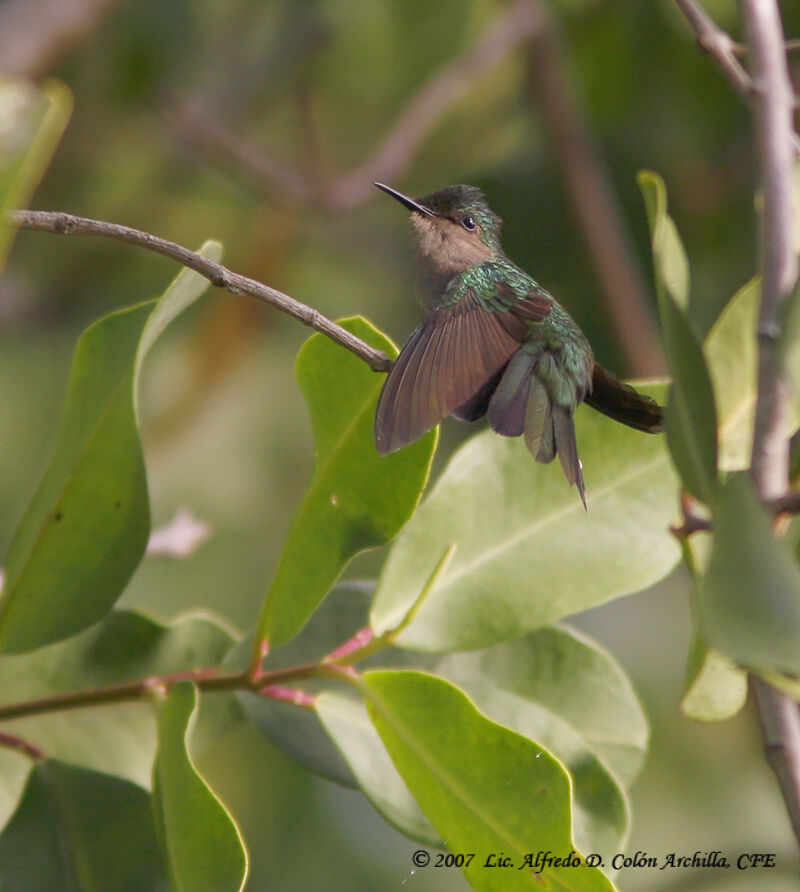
206,679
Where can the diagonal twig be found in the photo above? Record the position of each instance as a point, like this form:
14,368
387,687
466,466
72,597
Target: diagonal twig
67,224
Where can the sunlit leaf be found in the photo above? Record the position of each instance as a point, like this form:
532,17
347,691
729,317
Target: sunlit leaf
716,687
527,553
86,529
731,351
357,499
32,121
77,830
200,841
691,416
485,788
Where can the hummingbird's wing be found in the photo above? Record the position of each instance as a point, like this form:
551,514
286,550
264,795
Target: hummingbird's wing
457,348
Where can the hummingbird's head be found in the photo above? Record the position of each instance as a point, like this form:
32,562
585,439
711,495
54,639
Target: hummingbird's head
454,228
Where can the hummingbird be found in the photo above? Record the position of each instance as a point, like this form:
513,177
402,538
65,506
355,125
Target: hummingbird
494,342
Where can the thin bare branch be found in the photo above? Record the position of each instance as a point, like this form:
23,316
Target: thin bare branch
197,125
399,145
594,203
221,276
521,21
718,44
773,101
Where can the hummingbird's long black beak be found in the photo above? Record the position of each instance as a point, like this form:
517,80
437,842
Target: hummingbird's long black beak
408,202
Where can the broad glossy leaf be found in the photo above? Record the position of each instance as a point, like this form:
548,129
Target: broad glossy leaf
485,788
731,351
750,596
691,415
126,646
200,841
32,121
77,830
357,499
86,529
527,553
346,721
569,676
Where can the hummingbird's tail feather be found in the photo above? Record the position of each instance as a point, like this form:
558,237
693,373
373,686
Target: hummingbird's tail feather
624,404
567,448
539,423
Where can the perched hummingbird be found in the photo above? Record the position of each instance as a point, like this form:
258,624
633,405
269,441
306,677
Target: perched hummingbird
494,342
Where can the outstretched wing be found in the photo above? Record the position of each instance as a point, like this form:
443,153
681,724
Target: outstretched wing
451,355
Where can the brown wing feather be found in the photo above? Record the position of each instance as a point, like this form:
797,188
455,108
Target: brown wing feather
454,351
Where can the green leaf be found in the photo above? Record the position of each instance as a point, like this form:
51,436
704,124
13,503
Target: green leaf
357,499
715,688
80,831
571,677
86,529
485,788
125,647
32,121
200,840
750,596
347,723
731,351
669,256
691,415
527,553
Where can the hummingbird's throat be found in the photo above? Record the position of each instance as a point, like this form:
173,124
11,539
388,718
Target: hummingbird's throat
446,246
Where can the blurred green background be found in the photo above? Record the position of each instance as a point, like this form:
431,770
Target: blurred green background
197,119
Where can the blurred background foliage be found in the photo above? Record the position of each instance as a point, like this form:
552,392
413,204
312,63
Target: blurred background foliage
192,118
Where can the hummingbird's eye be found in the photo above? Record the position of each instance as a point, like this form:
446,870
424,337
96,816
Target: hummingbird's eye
468,222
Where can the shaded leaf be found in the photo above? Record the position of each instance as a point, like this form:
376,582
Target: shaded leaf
348,725
715,687
527,553
126,646
750,596
33,120
86,529
76,830
691,415
485,788
199,839
356,499
568,675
